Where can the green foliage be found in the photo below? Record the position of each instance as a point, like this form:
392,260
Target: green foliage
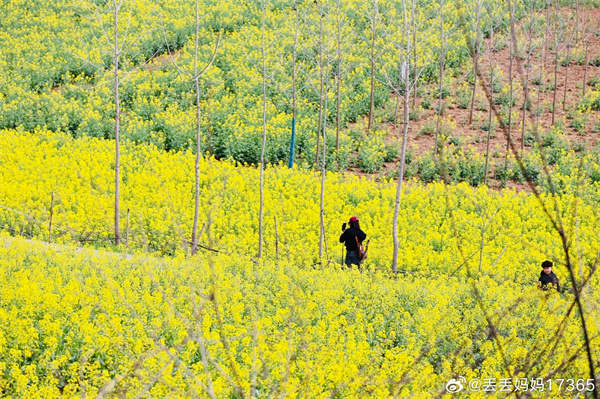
372,152
392,150
463,96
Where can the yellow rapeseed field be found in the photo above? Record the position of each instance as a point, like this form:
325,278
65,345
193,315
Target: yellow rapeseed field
163,324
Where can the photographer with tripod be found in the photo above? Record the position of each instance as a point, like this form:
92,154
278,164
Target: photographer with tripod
353,238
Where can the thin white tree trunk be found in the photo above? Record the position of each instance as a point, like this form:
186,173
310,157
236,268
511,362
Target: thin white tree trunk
197,162
489,135
405,75
372,98
442,57
264,136
117,125
324,155
476,63
510,77
545,58
320,87
528,70
338,78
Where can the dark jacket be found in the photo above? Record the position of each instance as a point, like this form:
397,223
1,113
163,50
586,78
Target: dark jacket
348,235
547,279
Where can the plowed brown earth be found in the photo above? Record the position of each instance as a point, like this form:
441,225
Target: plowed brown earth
471,135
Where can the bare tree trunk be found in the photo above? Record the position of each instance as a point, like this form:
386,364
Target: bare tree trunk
574,37
324,155
264,135
197,161
510,77
586,44
294,56
127,231
117,124
372,98
542,74
276,240
338,78
489,135
196,79
401,174
320,87
50,221
405,76
442,57
526,88
555,33
476,64
566,76
416,60
555,81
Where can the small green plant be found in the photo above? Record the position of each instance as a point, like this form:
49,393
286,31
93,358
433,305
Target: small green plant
455,141
596,127
526,104
566,61
502,173
392,150
529,138
531,172
428,169
594,81
485,126
415,114
462,96
596,61
440,110
579,147
426,103
504,98
428,129
578,123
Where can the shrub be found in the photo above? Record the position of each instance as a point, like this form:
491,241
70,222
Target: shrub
428,169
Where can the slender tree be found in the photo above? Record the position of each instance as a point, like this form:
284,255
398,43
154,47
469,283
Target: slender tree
511,50
542,69
406,83
115,43
527,73
372,59
442,59
477,48
556,36
572,39
415,58
264,128
340,24
585,37
294,71
324,72
195,75
321,82
491,105
116,54
196,78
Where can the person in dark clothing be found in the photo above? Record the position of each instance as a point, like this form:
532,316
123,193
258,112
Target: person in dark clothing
547,277
349,238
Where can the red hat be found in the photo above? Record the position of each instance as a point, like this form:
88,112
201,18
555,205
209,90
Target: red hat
353,219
